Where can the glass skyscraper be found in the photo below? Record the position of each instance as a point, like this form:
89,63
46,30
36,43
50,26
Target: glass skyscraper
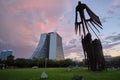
50,47
5,53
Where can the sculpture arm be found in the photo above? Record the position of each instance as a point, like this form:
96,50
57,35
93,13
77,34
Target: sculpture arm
93,16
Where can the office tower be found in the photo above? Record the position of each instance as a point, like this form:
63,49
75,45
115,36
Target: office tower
5,53
50,47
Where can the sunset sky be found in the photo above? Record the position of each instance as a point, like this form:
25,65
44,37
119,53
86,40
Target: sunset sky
23,21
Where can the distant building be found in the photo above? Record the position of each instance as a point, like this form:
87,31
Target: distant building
5,53
50,47
108,58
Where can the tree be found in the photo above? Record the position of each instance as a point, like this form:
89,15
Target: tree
21,62
10,60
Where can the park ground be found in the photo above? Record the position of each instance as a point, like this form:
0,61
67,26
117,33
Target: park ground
57,74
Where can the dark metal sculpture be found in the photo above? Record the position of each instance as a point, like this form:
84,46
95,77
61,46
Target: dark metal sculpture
84,23
93,53
98,54
92,48
88,50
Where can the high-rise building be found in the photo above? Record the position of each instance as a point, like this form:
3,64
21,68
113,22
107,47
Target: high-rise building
50,47
5,53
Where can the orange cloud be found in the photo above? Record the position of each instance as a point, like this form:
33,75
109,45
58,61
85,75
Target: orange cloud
40,25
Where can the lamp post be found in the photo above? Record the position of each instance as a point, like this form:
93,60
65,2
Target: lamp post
45,62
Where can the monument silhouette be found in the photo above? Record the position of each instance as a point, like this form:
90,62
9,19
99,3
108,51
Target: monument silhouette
93,51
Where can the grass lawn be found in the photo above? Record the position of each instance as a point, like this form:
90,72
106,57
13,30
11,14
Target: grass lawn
57,74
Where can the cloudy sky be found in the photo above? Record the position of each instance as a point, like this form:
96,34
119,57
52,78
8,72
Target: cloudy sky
23,21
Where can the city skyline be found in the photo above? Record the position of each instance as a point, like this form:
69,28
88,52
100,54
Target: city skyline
23,21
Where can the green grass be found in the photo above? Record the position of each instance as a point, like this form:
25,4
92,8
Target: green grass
57,74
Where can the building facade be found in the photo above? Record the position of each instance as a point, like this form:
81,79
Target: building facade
5,53
50,47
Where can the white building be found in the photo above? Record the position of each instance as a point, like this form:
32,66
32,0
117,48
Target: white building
50,46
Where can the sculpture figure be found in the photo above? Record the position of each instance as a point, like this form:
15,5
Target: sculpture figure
84,23
92,48
88,51
98,53
93,53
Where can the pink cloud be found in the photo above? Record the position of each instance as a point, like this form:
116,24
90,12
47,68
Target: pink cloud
115,5
23,21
